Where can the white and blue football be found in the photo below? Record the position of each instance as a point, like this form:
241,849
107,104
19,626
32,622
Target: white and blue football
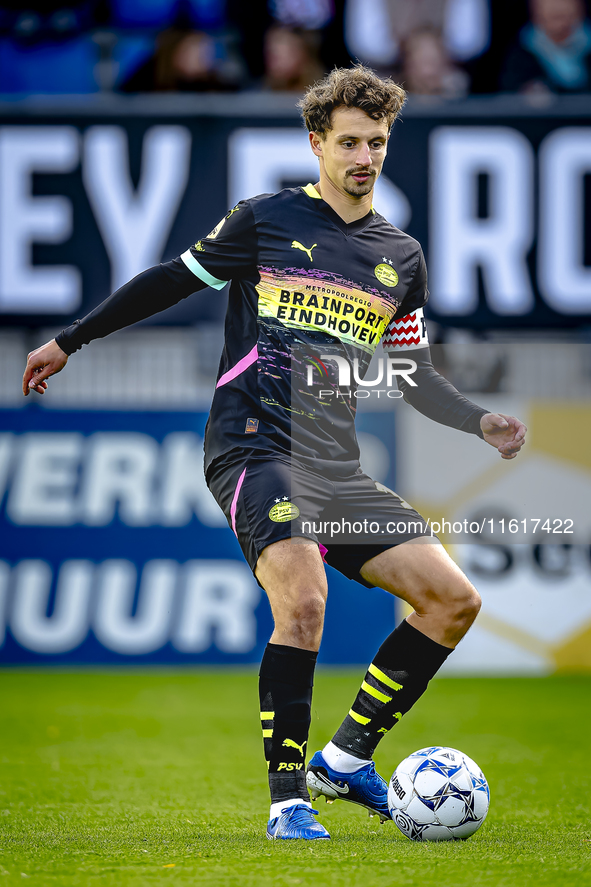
438,794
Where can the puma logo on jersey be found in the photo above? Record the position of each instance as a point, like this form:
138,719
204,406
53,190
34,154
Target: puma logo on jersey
295,244
289,743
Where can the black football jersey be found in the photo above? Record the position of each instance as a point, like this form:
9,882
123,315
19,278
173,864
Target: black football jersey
310,299
306,287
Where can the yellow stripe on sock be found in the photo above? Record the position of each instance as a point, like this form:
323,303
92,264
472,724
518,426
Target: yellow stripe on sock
267,715
359,718
375,693
375,671
267,734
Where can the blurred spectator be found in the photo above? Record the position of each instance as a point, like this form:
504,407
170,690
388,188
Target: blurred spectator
375,32
553,52
321,18
184,61
47,20
291,59
427,69
47,47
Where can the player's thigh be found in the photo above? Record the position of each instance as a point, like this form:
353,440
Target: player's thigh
422,573
266,502
292,573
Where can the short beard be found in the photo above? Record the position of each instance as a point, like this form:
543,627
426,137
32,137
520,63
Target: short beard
361,189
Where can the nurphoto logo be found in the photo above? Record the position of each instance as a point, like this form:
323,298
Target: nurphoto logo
388,369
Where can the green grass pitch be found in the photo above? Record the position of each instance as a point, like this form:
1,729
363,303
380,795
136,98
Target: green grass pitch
157,777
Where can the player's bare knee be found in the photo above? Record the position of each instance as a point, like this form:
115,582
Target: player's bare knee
471,606
305,621
310,608
464,605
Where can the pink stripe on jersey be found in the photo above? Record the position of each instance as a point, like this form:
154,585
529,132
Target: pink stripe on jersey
235,501
242,365
323,550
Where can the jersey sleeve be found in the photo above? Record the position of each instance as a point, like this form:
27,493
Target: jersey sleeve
429,393
229,251
408,328
150,292
435,397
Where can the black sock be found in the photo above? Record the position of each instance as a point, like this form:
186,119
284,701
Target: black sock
285,691
397,677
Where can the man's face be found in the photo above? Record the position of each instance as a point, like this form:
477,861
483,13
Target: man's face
558,18
353,151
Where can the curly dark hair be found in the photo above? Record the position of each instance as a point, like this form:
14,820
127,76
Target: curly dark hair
356,87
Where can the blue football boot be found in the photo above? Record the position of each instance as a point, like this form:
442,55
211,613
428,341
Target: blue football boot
296,822
364,787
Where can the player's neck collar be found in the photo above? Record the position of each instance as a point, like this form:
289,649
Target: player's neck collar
326,208
311,191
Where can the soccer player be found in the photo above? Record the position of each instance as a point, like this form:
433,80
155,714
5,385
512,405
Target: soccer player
318,279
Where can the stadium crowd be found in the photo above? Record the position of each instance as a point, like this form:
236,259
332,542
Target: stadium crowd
437,48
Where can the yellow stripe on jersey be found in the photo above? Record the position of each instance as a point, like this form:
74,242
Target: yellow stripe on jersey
383,678
375,693
199,271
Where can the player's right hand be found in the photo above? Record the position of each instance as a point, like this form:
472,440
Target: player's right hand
42,363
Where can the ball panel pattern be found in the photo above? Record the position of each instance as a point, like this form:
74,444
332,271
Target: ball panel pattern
436,833
419,811
429,783
451,811
438,794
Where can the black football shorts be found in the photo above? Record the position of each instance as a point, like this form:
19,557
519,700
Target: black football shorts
352,520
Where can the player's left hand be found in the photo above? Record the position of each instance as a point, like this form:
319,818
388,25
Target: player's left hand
505,433
42,363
